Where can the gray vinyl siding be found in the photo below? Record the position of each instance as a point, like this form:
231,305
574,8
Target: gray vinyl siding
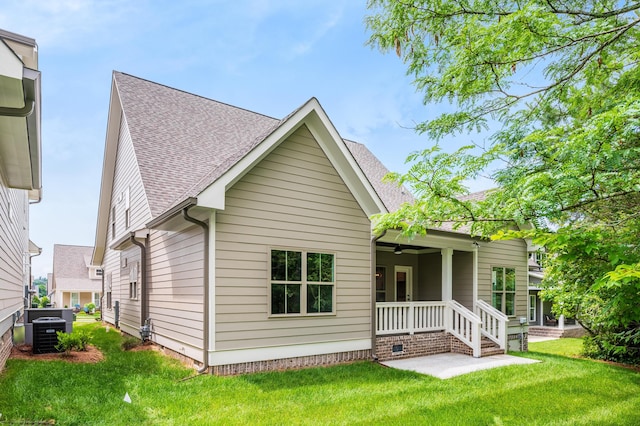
127,175
462,278
176,292
14,246
292,199
129,308
430,277
511,254
389,260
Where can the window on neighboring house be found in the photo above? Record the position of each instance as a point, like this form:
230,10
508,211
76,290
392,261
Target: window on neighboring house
96,299
381,288
75,300
503,295
532,307
113,223
107,285
302,282
133,281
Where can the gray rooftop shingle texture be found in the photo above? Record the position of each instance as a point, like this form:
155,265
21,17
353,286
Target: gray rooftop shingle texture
70,262
179,138
391,195
184,142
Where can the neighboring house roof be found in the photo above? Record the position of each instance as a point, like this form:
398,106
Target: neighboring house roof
71,268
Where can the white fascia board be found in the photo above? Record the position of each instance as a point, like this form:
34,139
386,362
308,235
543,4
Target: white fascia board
288,351
313,116
431,240
108,172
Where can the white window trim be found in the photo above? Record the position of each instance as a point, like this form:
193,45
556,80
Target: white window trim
303,284
504,290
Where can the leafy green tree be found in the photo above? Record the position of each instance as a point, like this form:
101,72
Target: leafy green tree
561,81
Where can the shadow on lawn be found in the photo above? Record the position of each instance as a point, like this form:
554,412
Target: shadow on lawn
353,375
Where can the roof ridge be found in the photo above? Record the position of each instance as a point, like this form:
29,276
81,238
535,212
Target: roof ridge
194,94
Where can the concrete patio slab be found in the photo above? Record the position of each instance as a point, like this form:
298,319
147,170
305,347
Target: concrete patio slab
445,366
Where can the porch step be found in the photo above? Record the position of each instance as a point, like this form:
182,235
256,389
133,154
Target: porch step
489,347
545,332
570,331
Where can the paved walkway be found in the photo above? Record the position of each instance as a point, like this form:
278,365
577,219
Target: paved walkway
445,366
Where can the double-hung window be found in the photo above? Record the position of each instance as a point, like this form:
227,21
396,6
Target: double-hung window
302,282
503,289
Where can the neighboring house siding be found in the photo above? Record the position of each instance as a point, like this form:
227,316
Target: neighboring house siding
126,179
176,291
14,244
293,199
512,254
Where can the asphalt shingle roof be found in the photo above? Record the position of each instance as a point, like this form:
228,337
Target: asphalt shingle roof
184,142
71,267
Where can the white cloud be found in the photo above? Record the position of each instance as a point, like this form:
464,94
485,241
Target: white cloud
67,24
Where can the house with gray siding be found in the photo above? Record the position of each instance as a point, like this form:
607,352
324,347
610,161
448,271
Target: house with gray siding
242,243
75,282
20,175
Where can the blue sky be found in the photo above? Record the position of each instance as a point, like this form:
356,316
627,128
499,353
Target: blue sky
265,56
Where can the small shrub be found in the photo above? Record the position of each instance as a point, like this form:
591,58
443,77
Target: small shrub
77,340
44,300
129,342
67,342
84,338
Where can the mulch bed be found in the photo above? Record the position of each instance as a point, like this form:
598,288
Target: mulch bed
91,355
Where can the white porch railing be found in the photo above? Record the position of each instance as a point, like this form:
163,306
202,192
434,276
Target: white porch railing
412,317
409,317
494,323
465,325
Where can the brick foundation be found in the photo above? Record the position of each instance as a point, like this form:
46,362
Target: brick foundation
419,344
290,363
5,348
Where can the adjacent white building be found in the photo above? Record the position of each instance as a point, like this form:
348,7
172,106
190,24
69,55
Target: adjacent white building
20,175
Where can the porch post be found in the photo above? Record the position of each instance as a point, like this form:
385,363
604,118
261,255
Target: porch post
474,278
447,274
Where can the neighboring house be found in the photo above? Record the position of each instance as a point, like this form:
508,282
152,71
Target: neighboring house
244,243
75,282
542,320
20,175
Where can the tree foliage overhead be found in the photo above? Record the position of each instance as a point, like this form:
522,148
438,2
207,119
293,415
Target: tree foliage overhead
562,80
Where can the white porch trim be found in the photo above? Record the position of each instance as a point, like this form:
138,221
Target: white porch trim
447,273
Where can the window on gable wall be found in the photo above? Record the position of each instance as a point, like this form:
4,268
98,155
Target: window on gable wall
302,282
503,289
127,209
113,222
133,281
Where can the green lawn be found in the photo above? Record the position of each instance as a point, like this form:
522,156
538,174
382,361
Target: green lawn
559,391
83,318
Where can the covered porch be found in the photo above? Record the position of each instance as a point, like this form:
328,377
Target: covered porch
427,299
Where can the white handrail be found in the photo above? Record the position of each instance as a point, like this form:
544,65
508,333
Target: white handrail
465,325
494,323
